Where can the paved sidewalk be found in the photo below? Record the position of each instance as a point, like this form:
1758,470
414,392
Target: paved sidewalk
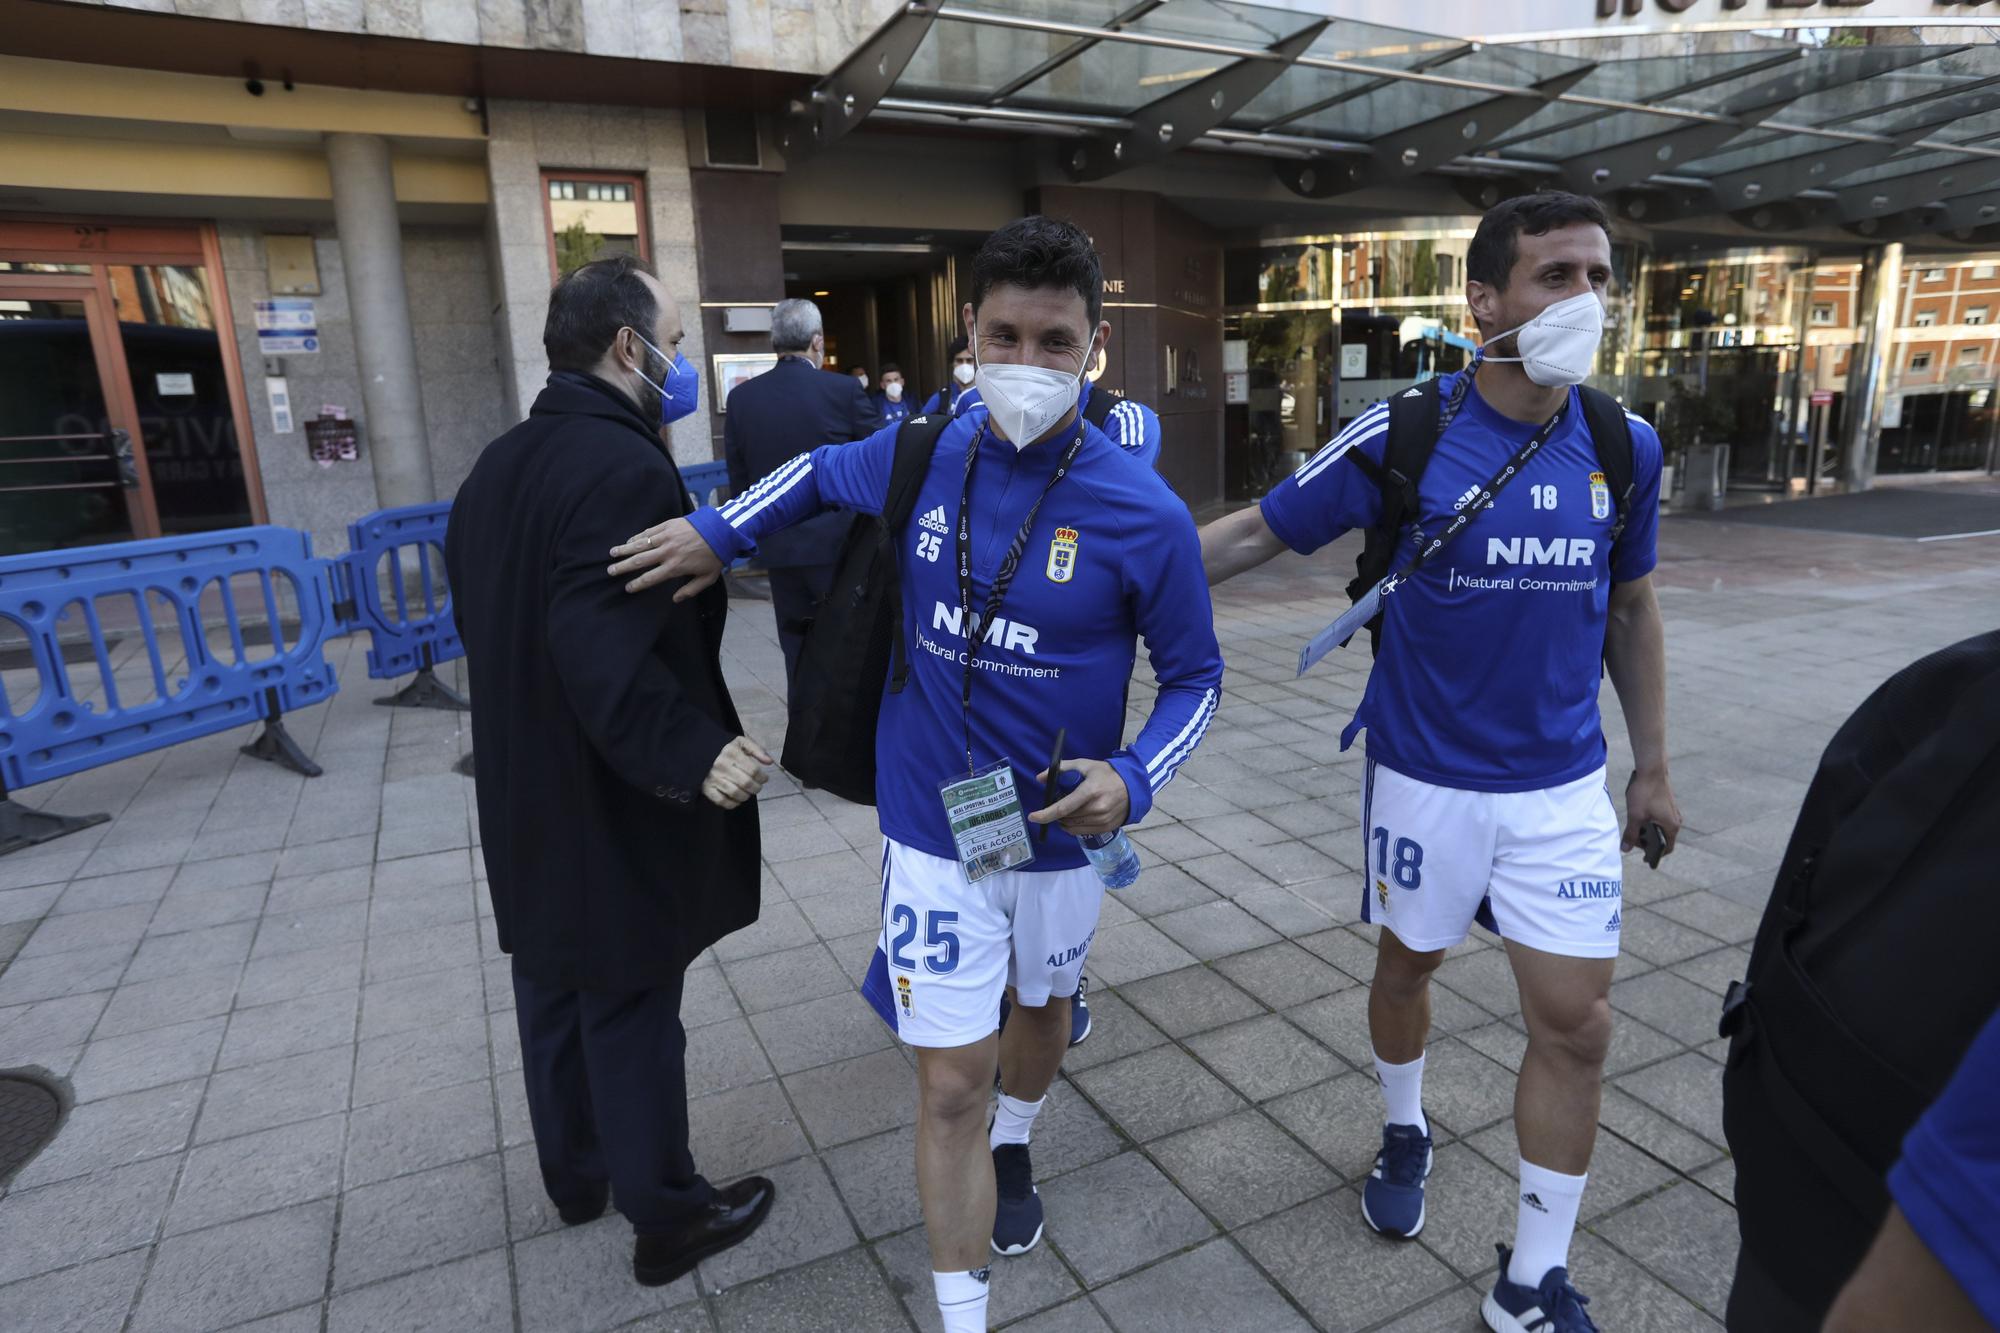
296,1069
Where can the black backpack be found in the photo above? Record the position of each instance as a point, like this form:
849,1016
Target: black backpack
1413,437
1871,974
854,642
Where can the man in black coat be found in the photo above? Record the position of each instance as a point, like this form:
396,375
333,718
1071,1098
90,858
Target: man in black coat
769,421
616,791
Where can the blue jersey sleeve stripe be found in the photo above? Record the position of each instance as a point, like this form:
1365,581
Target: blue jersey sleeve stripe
1165,764
1362,427
1192,724
769,490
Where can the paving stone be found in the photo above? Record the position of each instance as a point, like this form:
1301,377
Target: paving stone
1265,1056
877,1178
420,1059
1714,971
215,907
1242,1168
1340,1120
1485,978
466,1296
1291,862
855,1098
1624,1291
154,1004
779,926
86,1299
1116,1215
105,928
818,1032
258,1172
807,1222
1687,1089
421,1001
27,980
578,1279
1077,1316
1652,1133
411,953
1730,922
1294,910
1634,1045
191,951
1675,1006
294,975
276,1092
334,854
1070,1132
1283,974
1346,950
1117,1030
1687,1236
1193,999
229,1274
1021,1285
746,1129
297,894
1469,1203
1215,929
227,872
1650,937
114,1132
419,1220
85,895
129,1063
837,1295
415,1133
311,929
1721,1179
1339,1022
1463,1089
705,995
1212,1287
1164,887
290,1027
1157,1092
1343,1275
81,1219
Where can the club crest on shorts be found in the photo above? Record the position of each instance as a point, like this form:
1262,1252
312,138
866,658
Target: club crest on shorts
1062,555
1382,894
1600,496
903,997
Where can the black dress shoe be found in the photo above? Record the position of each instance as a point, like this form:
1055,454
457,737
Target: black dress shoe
736,1210
585,1210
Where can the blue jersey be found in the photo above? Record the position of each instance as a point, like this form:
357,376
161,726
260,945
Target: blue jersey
1948,1182
963,400
1132,426
892,413
1491,656
1113,557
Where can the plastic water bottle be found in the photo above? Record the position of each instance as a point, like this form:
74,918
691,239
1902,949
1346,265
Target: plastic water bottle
1113,857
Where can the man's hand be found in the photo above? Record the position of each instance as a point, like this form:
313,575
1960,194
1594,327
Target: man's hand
669,550
738,772
1098,804
1650,796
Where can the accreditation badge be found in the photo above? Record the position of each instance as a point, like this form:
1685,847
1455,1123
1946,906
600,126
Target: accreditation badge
987,826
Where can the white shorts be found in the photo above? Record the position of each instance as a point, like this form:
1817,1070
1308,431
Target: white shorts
1541,868
949,949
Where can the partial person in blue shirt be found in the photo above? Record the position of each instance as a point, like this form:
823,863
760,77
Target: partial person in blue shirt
894,400
961,394
1132,426
1103,555
1485,791
1935,1265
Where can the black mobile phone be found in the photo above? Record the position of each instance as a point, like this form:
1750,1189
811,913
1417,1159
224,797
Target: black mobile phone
1652,843
1051,785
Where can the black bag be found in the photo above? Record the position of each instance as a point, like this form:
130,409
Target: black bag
1872,972
854,635
1413,436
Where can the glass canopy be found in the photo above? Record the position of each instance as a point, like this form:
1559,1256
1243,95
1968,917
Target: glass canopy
1148,78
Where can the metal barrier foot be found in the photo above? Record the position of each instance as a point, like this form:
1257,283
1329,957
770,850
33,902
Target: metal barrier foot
427,691
464,766
22,827
276,744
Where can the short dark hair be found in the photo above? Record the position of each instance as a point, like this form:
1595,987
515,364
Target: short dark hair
1039,251
1496,245
590,305
955,346
890,368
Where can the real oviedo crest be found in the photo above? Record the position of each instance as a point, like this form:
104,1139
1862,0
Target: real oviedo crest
1062,556
1600,496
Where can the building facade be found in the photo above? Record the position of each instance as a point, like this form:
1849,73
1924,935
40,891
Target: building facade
288,260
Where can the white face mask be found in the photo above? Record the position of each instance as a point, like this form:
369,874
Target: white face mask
1027,401
893,391
963,372
862,380
1559,345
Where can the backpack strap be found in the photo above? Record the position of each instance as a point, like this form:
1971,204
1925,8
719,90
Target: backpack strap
1413,432
916,442
1098,410
1611,435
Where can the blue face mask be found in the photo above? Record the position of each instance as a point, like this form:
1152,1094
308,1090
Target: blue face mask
680,387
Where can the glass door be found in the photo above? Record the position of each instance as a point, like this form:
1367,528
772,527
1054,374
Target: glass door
68,472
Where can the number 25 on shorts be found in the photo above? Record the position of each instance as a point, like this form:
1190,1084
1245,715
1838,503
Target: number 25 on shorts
1407,868
904,919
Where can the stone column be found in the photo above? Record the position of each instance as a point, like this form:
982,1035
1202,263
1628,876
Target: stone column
371,251
1868,370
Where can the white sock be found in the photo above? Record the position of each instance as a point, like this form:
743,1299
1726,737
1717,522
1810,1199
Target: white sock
1403,1091
1013,1120
1544,1223
961,1299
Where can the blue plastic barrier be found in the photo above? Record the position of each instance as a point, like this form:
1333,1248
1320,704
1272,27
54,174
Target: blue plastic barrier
413,631
705,479
88,712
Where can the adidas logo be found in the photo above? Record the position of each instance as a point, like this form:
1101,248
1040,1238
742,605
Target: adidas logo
935,521
1412,392
1471,493
1613,923
1534,1201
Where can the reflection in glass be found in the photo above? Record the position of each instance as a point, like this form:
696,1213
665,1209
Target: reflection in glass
60,479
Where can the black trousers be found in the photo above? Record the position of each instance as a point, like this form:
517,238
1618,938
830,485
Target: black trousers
607,1095
796,592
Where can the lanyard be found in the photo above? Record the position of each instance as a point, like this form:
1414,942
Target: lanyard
1425,550
1005,577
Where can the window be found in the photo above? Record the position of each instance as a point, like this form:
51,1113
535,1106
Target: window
1924,319
1822,312
1975,314
1983,272
594,215
1971,356
1933,275
1920,360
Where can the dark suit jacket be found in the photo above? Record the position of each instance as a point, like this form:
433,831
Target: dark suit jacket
596,713
779,415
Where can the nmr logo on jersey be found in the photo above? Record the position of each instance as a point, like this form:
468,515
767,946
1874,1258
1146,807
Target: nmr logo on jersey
1011,635
1062,555
1535,551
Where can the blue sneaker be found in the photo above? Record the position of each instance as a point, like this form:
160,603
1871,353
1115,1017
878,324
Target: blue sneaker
1553,1307
1017,1214
1079,1014
1392,1199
